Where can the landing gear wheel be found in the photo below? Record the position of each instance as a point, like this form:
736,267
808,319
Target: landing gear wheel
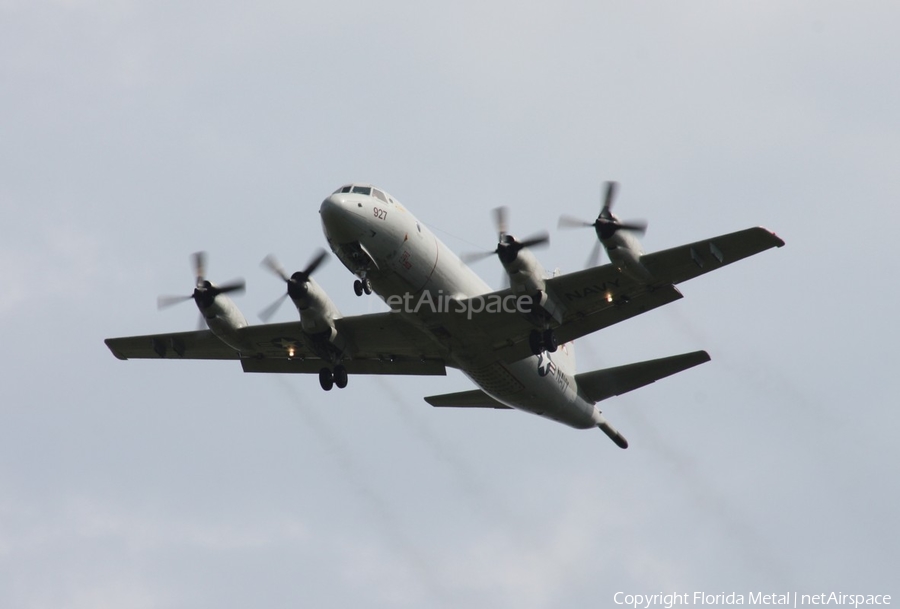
367,286
340,376
326,379
534,342
550,341
358,287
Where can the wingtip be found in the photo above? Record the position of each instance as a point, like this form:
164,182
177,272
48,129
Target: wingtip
113,349
776,240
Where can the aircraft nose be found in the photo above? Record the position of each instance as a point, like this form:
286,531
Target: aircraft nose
340,218
332,207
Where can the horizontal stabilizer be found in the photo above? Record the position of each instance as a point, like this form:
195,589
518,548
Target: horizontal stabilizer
602,384
465,399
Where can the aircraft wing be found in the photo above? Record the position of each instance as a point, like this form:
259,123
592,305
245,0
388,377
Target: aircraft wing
598,297
694,259
201,344
592,299
588,310
379,343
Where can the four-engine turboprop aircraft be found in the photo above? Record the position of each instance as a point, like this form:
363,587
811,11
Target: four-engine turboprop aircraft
515,344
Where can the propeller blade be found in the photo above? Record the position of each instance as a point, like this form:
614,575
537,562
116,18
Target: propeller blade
611,188
476,256
542,238
315,263
594,259
638,226
570,222
270,310
237,285
199,259
500,221
271,263
167,301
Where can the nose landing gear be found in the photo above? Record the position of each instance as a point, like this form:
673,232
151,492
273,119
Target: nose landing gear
362,286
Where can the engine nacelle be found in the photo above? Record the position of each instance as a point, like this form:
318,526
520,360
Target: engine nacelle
624,251
526,275
317,311
225,320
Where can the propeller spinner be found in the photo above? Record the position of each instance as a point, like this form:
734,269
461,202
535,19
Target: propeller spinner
508,247
205,292
297,284
606,225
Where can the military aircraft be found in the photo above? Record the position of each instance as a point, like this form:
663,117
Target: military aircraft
515,344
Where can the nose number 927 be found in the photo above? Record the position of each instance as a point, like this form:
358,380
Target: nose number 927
381,214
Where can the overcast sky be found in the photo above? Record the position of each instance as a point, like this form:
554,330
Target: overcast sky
135,133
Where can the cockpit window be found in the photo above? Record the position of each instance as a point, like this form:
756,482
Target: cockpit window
362,190
346,189
379,195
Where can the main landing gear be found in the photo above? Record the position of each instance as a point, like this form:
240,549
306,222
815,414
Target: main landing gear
542,341
329,378
360,286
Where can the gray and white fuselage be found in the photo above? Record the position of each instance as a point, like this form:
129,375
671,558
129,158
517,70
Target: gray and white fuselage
377,239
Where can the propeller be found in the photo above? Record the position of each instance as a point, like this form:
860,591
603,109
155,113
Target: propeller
297,284
606,225
205,292
508,247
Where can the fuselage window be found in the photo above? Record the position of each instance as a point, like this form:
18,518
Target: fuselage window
379,195
363,190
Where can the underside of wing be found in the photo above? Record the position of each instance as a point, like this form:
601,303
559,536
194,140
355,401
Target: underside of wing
355,365
387,335
685,262
588,300
375,335
202,344
381,343
592,299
